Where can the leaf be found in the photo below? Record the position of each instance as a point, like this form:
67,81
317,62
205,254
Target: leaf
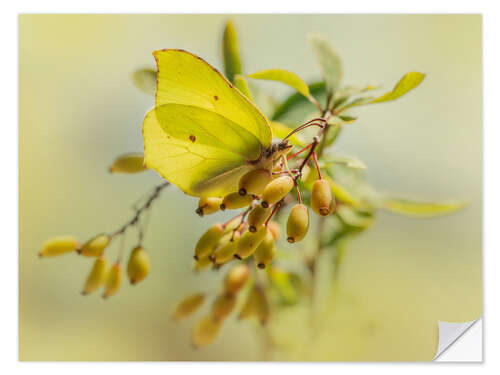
241,84
405,84
329,61
145,80
353,217
296,100
348,119
347,161
286,284
281,131
341,193
284,76
232,62
356,102
420,209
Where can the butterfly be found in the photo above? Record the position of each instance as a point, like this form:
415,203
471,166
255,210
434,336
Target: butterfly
203,134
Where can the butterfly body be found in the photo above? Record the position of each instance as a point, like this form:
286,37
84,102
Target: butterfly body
204,134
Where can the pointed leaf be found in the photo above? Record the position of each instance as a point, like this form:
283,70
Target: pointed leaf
329,61
297,100
421,209
145,80
231,55
284,76
241,84
405,84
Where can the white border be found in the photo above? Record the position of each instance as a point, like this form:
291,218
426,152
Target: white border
9,150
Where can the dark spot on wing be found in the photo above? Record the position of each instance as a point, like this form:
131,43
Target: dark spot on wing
216,97
192,138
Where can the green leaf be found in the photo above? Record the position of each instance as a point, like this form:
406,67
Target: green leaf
420,209
341,193
356,102
329,61
241,84
405,84
145,80
286,284
333,133
348,119
347,161
297,100
353,217
284,76
232,61
281,131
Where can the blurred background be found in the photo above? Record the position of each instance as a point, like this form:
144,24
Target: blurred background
78,109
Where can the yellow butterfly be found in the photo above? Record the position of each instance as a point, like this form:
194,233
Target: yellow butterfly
203,133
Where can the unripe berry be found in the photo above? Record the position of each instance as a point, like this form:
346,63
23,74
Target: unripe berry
297,223
58,245
236,278
223,306
227,250
113,280
249,241
95,246
234,201
188,306
264,253
129,163
205,331
276,190
97,276
275,229
254,182
208,241
257,217
138,265
208,205
322,198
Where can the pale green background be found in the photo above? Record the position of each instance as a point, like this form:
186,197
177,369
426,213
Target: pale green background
79,109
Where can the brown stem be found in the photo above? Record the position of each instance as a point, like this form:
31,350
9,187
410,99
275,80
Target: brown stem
139,211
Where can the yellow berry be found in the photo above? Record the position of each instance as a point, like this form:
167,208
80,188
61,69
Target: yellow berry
322,198
113,280
256,305
223,306
236,278
249,242
234,201
58,245
97,276
254,182
257,217
265,252
202,263
262,305
208,205
298,223
138,265
208,241
276,190
95,246
128,163
188,306
205,331
227,249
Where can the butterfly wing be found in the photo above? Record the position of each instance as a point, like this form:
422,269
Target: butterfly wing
202,131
